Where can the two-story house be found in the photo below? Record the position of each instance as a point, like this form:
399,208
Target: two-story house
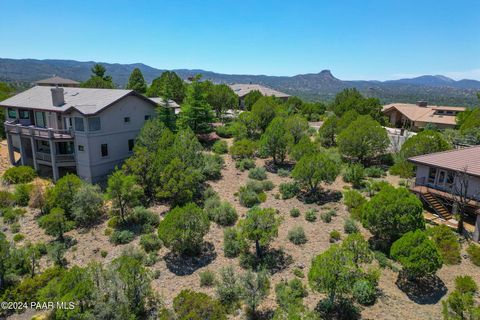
86,131
446,179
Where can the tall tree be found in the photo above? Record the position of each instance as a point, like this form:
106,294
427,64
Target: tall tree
276,139
263,111
169,86
98,79
222,98
124,192
312,169
250,99
137,82
260,226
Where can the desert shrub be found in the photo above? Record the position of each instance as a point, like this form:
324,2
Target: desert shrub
145,218
267,185
311,215
283,173
212,166
7,199
150,242
220,147
22,194
11,215
373,187
374,172
224,131
103,253
289,190
297,272
20,174
255,186
364,292
228,288
244,164
297,236
465,284
326,216
87,204
350,226
334,236
189,304
224,214
207,278
248,197
354,174
18,237
232,242
243,148
121,237
474,254
257,173
295,212
290,294
15,227
353,199
37,197
447,242
461,303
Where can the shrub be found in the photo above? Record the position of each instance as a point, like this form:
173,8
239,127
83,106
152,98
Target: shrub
150,242
224,214
297,236
353,199
373,187
244,164
243,148
7,199
87,204
15,227
447,242
311,215
295,212
364,292
283,173
189,304
145,218
121,237
11,215
21,174
18,237
224,131
232,242
289,190
103,253
37,197
22,194
220,147
228,288
297,272
334,236
474,253
290,294
207,278
256,186
465,284
326,216
267,185
212,166
248,197
354,174
350,226
374,172
257,173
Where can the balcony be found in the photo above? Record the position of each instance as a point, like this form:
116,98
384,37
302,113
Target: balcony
15,127
59,158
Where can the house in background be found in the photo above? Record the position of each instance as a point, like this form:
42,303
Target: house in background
445,179
241,90
58,82
417,116
167,103
84,131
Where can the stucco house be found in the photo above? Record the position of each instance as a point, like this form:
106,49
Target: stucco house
445,180
242,89
85,131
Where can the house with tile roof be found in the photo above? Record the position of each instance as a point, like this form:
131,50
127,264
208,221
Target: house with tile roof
417,116
242,89
449,179
89,132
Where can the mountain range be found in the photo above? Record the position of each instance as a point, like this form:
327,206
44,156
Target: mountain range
436,89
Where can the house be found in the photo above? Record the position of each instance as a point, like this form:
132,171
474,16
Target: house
446,180
85,131
417,116
167,103
56,81
241,90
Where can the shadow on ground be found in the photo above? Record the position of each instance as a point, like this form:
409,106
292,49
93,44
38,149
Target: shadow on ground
428,290
184,265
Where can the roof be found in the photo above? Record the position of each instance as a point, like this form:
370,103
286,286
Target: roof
457,160
161,101
87,101
242,90
57,81
424,114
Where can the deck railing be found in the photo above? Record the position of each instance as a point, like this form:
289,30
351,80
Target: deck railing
59,158
46,133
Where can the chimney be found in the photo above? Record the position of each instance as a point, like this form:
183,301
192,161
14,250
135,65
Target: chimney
422,103
57,97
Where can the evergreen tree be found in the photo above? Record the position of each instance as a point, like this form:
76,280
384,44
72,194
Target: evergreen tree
136,82
196,112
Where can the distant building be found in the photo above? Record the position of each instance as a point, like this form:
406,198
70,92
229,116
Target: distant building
417,116
170,103
241,90
58,82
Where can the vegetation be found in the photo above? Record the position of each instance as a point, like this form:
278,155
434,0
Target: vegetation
461,303
20,174
297,236
446,242
169,86
136,82
474,254
313,169
98,79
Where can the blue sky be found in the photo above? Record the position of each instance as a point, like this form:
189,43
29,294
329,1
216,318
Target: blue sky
364,39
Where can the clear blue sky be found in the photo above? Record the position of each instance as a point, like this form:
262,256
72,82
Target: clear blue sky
356,39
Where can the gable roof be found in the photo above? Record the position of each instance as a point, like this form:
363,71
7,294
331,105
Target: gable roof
457,160
55,80
242,89
162,102
87,101
424,114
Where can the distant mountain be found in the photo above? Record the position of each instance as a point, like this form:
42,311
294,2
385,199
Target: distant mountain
313,86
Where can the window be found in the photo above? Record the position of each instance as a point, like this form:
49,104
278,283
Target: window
431,175
148,117
81,148
131,143
12,113
94,124
40,119
79,126
450,177
23,114
65,148
126,120
104,148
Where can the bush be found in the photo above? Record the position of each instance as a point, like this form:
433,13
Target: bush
373,187
243,148
15,227
143,217
248,197
103,253
150,242
224,214
447,242
290,294
189,304
295,212
121,237
244,164
22,194
87,204
354,174
297,272
228,288
297,235
232,242
474,253
283,173
220,147
212,166
224,131
11,215
21,174
7,199
374,172
350,226
257,173
334,236
311,215
353,199
465,284
326,216
207,278
364,292
289,190
18,237
267,185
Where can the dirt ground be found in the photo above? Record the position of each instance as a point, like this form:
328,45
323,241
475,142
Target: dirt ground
393,303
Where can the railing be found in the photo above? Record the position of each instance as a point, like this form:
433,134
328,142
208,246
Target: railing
425,186
47,133
59,158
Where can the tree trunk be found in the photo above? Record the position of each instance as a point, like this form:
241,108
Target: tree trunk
460,227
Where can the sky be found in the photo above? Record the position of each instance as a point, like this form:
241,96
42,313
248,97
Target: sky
355,39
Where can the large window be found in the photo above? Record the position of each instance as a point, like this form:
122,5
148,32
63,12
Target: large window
65,148
12,113
24,114
104,149
40,119
432,173
79,126
94,124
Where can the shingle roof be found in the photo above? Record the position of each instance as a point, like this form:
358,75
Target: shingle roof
55,80
424,114
457,160
85,100
161,102
242,90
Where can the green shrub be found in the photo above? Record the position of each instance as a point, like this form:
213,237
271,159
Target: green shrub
290,294
150,242
465,284
224,131
220,147
374,187
7,199
289,190
256,186
295,212
232,242
446,241
326,216
353,199
121,237
474,253
18,237
248,197
350,226
244,164
382,260
212,166
311,215
364,292
103,253
297,272
15,227
283,173
207,278
297,236
374,172
257,173
334,236
243,148
354,174
189,304
22,194
145,218
224,214
21,174
267,185
11,215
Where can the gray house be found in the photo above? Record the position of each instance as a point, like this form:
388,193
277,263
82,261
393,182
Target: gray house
84,131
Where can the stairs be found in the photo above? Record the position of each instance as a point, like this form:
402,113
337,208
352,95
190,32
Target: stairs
437,206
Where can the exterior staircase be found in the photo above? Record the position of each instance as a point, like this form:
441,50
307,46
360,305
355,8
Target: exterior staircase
437,206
